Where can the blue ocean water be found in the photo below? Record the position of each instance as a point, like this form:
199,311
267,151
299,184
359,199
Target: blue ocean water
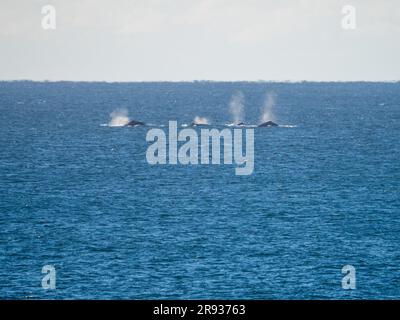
81,196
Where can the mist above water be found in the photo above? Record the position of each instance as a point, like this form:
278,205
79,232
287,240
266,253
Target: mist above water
236,107
267,109
200,120
119,118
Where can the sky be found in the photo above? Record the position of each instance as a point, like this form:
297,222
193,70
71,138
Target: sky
185,40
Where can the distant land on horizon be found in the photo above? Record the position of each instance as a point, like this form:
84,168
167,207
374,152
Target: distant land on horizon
205,81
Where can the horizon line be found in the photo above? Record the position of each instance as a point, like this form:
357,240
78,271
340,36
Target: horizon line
196,81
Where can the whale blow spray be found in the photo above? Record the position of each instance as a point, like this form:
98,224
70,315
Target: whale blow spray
119,118
267,108
236,107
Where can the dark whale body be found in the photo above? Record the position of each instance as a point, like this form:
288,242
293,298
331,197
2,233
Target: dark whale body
134,123
268,124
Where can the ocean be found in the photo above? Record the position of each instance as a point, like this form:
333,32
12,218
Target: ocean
79,195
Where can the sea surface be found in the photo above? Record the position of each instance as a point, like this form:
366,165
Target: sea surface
79,195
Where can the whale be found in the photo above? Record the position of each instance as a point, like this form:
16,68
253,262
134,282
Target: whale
195,124
235,124
134,123
268,124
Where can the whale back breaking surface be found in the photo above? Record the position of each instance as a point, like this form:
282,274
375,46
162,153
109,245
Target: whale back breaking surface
268,124
134,123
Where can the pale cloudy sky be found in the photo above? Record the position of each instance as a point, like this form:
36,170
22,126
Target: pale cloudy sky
144,40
